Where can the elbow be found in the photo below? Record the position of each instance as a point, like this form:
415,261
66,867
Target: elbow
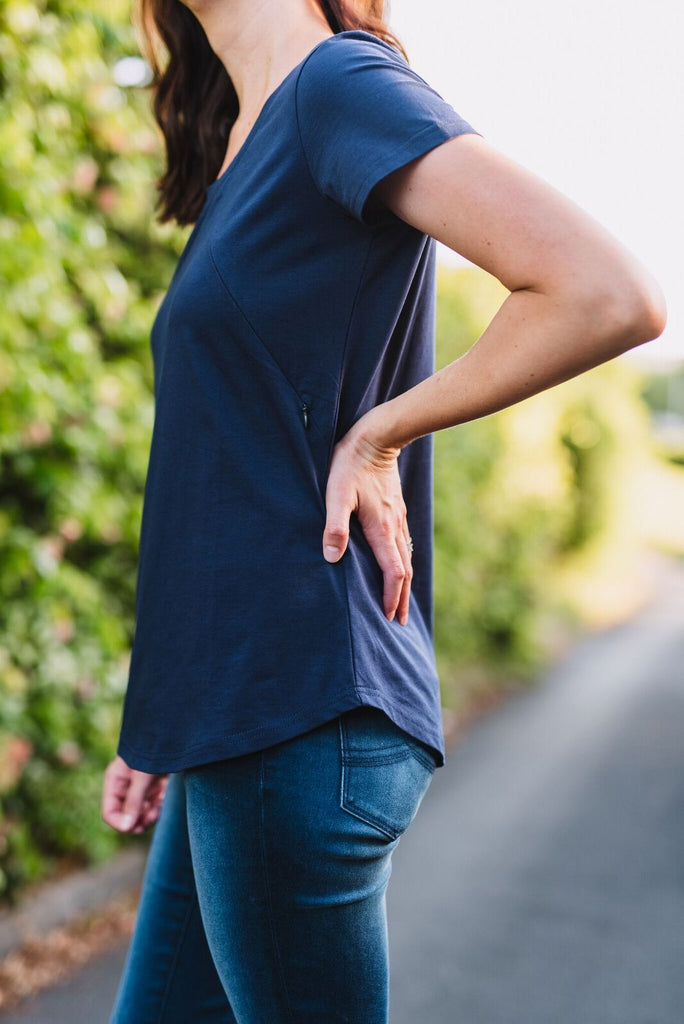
630,310
646,312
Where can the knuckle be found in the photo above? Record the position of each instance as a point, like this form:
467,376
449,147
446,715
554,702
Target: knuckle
387,526
336,532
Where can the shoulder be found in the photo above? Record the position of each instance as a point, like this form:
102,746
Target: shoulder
350,61
352,46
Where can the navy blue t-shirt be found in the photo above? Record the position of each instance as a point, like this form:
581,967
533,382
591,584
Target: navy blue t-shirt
296,305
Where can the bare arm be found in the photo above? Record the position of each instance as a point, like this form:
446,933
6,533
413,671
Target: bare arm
577,298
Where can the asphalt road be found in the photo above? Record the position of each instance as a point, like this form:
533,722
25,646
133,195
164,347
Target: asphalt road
543,879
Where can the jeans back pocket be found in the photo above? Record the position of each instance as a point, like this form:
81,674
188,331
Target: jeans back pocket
385,772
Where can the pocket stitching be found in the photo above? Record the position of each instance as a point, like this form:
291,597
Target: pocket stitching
394,755
358,757
408,747
369,819
424,758
344,779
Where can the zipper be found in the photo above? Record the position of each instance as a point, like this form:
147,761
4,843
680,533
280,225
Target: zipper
305,414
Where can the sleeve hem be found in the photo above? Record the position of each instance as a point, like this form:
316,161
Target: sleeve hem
422,142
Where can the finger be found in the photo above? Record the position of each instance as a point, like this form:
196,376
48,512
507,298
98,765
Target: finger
115,787
404,598
124,798
144,822
156,788
135,799
161,793
389,559
153,805
405,530
148,817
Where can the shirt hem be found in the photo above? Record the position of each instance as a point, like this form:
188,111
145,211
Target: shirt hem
395,712
422,142
238,744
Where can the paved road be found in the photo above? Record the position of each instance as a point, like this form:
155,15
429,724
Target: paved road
543,880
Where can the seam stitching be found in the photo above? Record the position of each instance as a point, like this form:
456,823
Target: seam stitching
270,356
181,941
345,562
430,131
267,884
296,106
370,37
345,803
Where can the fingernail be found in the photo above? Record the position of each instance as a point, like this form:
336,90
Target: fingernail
331,553
127,821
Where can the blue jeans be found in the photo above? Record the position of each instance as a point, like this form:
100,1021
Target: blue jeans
263,899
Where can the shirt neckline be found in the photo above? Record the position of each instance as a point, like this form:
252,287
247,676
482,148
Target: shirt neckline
265,105
213,185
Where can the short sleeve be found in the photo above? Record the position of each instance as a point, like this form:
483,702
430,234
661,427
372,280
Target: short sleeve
363,112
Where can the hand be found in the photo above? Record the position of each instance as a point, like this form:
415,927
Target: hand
131,800
364,478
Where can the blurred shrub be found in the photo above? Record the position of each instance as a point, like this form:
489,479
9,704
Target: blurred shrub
518,495
663,392
82,267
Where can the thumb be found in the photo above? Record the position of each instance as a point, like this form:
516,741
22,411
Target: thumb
135,796
336,534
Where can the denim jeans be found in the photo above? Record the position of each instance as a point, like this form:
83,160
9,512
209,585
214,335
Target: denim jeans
263,899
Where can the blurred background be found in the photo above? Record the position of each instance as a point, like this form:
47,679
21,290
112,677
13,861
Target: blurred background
552,518
587,476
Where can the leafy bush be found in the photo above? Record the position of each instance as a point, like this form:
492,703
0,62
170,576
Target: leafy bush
82,266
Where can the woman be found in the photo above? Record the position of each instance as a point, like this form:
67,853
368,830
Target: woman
283,703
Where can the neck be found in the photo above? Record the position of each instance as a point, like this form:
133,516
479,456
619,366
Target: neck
260,41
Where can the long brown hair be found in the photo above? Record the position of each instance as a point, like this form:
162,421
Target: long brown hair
194,100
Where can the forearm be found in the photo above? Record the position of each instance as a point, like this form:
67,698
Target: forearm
534,342
577,296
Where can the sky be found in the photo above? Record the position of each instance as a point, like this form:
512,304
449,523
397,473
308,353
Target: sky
588,95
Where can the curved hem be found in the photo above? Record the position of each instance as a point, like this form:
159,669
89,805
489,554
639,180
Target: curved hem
260,739
237,744
378,700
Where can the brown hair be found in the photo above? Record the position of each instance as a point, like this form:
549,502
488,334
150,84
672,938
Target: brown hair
195,103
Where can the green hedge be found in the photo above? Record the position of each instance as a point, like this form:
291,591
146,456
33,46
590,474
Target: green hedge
82,269
518,495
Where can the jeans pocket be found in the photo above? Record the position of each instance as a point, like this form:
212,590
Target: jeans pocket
385,773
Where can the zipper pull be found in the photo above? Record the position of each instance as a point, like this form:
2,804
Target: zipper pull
305,414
